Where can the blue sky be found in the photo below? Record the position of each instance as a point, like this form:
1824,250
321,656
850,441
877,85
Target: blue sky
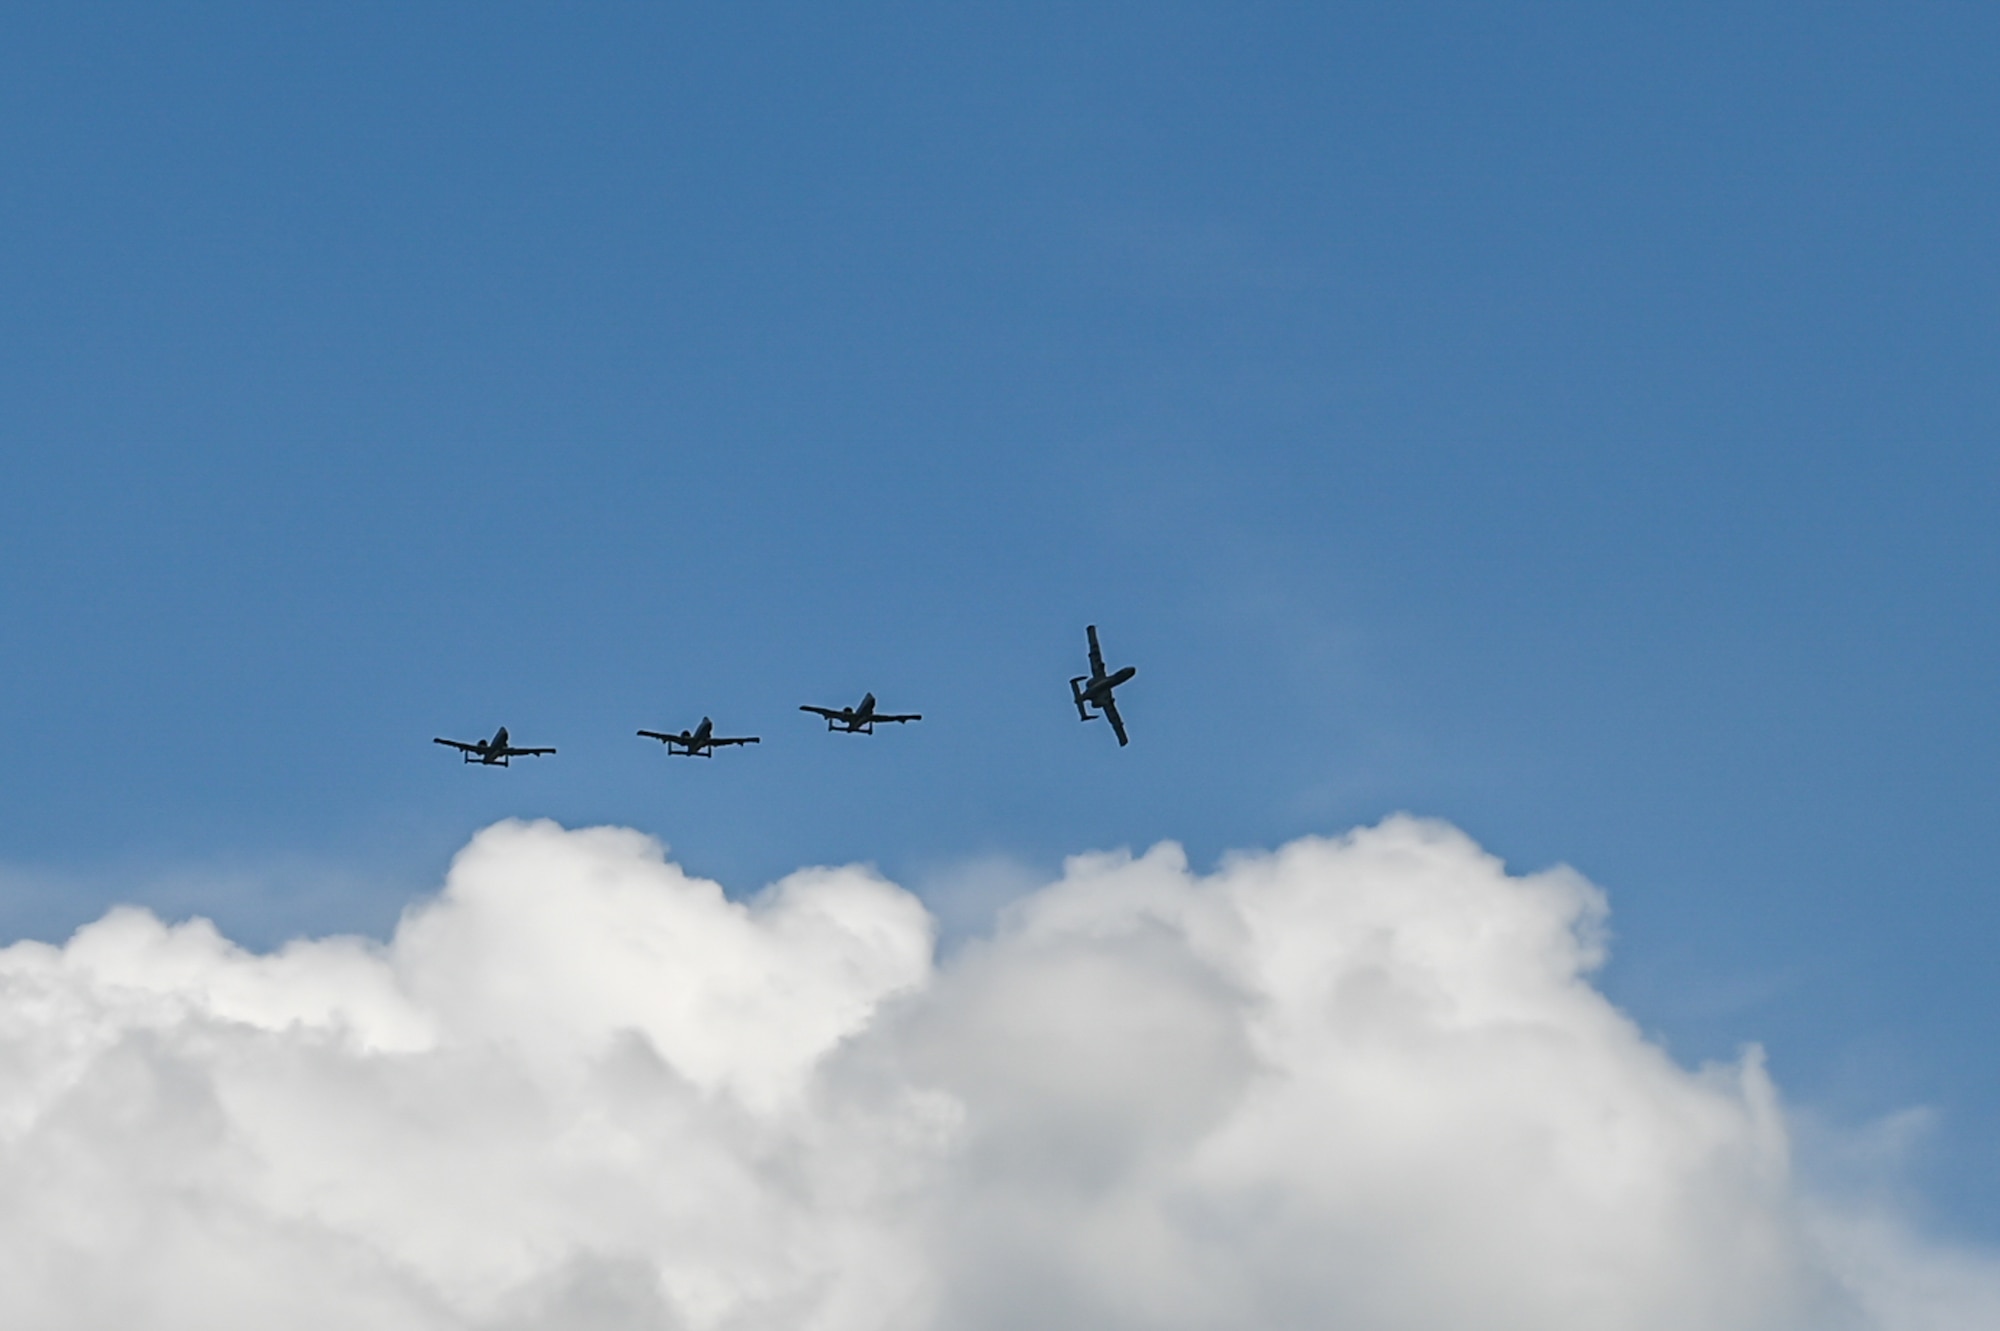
1576,425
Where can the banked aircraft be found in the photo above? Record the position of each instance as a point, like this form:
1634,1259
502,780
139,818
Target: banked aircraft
1094,689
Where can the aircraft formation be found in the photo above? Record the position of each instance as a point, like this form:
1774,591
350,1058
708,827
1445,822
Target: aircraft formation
1092,694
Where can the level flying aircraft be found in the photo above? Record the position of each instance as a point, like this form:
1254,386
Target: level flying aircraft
491,752
857,720
701,742
1094,689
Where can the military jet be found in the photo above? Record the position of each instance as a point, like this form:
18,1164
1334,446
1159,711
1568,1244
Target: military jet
1094,689
701,742
857,720
491,752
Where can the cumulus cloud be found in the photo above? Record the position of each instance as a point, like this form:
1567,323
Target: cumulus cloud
1357,1082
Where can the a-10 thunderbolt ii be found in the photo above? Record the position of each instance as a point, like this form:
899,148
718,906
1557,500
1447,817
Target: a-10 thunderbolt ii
857,720
1094,689
491,752
701,742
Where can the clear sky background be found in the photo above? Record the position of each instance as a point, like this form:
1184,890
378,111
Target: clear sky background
1575,424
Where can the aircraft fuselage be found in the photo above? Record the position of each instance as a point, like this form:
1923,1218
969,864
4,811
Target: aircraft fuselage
1097,690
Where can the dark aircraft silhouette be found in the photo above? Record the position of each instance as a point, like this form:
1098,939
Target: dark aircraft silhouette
1094,689
701,742
857,720
491,752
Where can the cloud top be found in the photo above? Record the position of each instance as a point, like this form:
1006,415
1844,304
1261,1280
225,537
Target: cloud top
1359,1081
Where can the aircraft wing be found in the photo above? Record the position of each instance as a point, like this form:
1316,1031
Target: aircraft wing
913,716
654,734
1110,709
741,739
457,744
526,753
830,713
1096,656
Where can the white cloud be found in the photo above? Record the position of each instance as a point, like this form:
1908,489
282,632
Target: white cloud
1362,1082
